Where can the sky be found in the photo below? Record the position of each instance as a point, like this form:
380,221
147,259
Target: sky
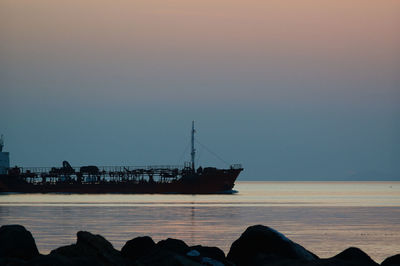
292,90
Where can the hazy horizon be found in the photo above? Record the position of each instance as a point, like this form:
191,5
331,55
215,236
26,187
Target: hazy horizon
293,90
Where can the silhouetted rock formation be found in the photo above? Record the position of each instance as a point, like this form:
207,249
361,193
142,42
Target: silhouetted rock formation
138,247
59,260
168,252
174,245
94,247
258,245
392,261
210,252
355,256
17,242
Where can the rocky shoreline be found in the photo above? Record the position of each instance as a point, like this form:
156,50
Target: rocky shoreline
258,245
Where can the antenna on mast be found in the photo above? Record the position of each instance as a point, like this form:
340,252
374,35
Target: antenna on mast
193,152
1,143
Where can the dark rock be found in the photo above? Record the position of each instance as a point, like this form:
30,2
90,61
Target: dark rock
212,262
165,257
72,251
355,256
12,262
75,252
349,257
168,252
17,242
59,260
138,247
174,245
94,248
210,252
95,242
270,259
259,239
392,261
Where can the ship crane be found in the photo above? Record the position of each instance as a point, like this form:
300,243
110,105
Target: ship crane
1,143
193,152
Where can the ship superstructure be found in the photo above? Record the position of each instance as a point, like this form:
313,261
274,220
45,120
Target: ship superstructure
4,158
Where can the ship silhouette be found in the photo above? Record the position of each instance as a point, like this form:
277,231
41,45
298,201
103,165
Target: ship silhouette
121,179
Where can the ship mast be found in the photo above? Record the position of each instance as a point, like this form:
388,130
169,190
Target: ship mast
193,152
1,143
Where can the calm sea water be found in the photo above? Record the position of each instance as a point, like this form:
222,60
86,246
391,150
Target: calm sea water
324,217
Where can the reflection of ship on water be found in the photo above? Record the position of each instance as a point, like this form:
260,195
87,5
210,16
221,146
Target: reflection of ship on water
192,223
118,179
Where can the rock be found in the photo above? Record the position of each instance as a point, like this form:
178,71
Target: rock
165,257
71,251
392,261
202,258
259,239
79,253
210,252
211,262
17,242
138,247
94,248
193,253
174,245
349,257
355,256
59,260
95,242
12,262
170,252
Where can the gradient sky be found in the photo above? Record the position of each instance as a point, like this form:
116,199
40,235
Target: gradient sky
293,90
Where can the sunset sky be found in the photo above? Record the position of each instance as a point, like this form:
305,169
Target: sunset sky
293,90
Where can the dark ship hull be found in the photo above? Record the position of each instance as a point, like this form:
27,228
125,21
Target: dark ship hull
217,181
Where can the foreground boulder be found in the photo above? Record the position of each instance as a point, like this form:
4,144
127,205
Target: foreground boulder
259,244
210,252
392,261
17,242
171,252
349,257
12,262
208,255
174,245
138,247
164,257
167,252
354,256
59,260
93,248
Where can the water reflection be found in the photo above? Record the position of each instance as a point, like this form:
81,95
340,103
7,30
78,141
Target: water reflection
250,194
325,218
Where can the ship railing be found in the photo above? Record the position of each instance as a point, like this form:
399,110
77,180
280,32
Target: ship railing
236,166
35,170
132,168
40,170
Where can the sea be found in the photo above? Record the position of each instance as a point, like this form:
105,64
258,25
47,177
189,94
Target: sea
324,217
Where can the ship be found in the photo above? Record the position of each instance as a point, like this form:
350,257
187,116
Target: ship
91,179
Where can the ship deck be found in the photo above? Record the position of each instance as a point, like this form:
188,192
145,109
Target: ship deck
106,174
